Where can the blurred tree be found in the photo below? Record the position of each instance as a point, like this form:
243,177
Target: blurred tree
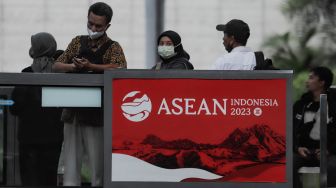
311,42
313,39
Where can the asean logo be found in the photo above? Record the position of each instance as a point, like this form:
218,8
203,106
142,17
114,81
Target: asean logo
136,106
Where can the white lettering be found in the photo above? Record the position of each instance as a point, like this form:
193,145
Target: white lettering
189,107
222,108
275,103
164,106
254,102
180,109
204,107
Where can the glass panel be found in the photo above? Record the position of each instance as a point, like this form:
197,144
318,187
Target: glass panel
31,136
8,155
71,97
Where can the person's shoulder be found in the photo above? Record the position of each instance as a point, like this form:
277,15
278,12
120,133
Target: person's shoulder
78,37
216,64
109,39
27,69
223,59
332,94
182,63
115,46
304,99
115,43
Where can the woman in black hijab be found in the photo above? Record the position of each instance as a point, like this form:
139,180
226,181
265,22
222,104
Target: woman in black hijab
171,52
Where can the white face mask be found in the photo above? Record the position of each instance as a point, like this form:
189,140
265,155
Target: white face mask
166,51
95,35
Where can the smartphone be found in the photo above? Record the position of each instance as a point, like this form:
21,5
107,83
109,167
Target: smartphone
77,59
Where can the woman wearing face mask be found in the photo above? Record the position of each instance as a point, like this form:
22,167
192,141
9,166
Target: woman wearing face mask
171,52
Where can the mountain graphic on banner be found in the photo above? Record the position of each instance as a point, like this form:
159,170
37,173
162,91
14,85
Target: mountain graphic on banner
243,148
258,143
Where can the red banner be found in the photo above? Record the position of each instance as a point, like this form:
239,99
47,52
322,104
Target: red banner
173,130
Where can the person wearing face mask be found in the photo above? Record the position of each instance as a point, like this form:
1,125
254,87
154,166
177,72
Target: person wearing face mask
236,33
40,131
95,52
83,127
171,53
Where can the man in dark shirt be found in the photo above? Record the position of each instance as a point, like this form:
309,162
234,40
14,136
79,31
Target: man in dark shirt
83,128
306,124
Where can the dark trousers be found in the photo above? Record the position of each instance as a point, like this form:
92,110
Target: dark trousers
299,162
39,163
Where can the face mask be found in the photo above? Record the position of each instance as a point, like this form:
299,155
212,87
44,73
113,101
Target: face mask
95,35
166,51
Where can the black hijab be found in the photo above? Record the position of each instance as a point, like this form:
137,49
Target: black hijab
175,37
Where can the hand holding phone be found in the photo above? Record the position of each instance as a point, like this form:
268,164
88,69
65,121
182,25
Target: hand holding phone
77,59
77,62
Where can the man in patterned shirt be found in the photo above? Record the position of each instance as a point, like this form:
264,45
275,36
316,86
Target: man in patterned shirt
83,127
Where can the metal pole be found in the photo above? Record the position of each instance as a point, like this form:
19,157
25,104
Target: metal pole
154,26
323,140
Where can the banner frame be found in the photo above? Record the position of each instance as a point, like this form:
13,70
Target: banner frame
110,75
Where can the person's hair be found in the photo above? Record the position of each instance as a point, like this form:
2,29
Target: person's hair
242,39
239,37
324,74
101,9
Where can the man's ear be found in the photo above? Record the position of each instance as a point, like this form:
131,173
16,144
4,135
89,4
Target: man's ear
232,39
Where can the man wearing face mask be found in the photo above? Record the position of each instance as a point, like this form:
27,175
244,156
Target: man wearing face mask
171,52
236,33
83,127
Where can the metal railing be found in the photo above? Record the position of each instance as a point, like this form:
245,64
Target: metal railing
323,140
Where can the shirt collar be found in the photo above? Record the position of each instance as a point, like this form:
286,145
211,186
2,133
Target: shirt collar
241,49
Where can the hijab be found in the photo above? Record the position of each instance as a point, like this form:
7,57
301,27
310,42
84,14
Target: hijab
178,47
42,50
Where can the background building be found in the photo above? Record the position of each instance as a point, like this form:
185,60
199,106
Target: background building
195,20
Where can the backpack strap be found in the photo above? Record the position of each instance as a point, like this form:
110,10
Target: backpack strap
259,60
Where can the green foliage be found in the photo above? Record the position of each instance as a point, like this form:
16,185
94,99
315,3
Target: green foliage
293,52
311,43
299,84
85,173
306,13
